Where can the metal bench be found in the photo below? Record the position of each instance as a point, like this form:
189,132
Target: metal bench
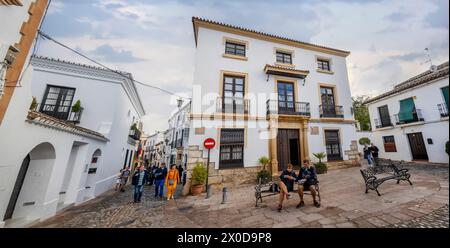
377,175
270,188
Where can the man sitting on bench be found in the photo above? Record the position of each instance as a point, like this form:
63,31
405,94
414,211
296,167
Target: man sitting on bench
307,178
288,178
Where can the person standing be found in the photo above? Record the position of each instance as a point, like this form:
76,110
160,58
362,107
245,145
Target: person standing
118,180
180,171
368,155
160,175
124,178
138,181
184,175
374,150
172,179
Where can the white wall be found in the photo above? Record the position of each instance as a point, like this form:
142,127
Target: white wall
426,98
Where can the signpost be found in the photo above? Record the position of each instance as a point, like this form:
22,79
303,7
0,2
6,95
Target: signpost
209,144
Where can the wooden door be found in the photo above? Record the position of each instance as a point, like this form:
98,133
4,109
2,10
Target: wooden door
333,145
17,187
417,145
288,148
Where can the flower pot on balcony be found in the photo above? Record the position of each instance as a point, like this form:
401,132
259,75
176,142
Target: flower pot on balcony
197,189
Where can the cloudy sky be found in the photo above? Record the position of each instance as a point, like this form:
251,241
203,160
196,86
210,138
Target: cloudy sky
153,39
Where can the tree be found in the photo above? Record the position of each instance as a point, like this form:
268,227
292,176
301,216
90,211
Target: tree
361,112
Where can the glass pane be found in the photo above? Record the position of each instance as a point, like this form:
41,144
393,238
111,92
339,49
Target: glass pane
239,88
239,81
238,95
228,87
228,80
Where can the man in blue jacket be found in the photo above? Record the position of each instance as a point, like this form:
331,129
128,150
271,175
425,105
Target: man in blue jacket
139,179
307,178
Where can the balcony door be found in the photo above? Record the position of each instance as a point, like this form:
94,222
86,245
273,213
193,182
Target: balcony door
384,116
233,94
328,101
57,101
286,102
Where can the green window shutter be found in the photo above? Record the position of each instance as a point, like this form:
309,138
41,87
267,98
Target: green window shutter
445,93
406,110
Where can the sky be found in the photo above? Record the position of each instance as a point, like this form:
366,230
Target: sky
154,40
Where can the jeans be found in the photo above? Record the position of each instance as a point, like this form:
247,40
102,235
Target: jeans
370,160
138,192
159,187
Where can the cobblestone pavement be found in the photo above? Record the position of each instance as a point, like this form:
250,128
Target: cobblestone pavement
344,205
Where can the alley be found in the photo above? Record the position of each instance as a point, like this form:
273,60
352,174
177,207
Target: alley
344,204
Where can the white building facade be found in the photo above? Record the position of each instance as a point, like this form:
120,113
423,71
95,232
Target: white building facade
56,154
410,122
259,95
179,124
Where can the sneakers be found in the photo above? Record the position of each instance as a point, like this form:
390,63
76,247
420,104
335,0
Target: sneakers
280,207
301,204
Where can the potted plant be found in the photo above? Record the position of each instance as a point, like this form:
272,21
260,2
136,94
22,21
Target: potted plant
34,104
321,167
199,175
264,175
76,107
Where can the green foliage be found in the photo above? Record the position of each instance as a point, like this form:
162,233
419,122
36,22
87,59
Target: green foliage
76,107
134,126
446,147
34,104
265,176
320,156
321,168
264,161
199,174
364,141
361,112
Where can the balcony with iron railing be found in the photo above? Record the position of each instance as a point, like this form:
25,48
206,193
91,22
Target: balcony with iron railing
383,122
232,105
443,110
275,107
331,111
135,134
64,113
406,118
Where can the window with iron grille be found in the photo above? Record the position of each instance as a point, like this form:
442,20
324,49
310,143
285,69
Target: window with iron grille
285,58
235,49
323,64
389,144
231,148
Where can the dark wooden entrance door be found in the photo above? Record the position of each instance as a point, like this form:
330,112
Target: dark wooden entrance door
17,187
417,145
288,148
333,145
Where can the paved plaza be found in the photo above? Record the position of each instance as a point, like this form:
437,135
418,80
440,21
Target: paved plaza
344,205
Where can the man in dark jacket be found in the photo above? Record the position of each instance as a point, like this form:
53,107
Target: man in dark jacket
374,149
160,176
307,179
288,178
139,179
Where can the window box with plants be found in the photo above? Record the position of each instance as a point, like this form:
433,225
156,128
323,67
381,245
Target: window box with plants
199,175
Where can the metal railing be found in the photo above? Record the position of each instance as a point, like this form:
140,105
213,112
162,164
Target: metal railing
288,108
382,122
332,111
443,110
135,134
416,117
64,113
179,143
233,105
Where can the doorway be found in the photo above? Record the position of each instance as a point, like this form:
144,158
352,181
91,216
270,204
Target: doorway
288,148
30,188
333,145
417,145
91,179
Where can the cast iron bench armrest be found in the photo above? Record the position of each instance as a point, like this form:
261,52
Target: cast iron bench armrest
372,181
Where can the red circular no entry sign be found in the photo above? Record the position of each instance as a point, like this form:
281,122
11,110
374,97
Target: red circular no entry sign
209,143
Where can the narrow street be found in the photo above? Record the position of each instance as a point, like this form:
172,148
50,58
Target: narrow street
344,204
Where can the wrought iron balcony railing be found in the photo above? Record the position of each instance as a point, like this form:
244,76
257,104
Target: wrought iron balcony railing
383,122
443,110
233,105
64,113
288,108
404,118
135,134
332,111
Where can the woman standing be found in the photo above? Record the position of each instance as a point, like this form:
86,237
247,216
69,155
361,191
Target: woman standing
172,178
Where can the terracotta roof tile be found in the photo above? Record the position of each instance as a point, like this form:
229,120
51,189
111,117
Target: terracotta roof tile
423,78
198,19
